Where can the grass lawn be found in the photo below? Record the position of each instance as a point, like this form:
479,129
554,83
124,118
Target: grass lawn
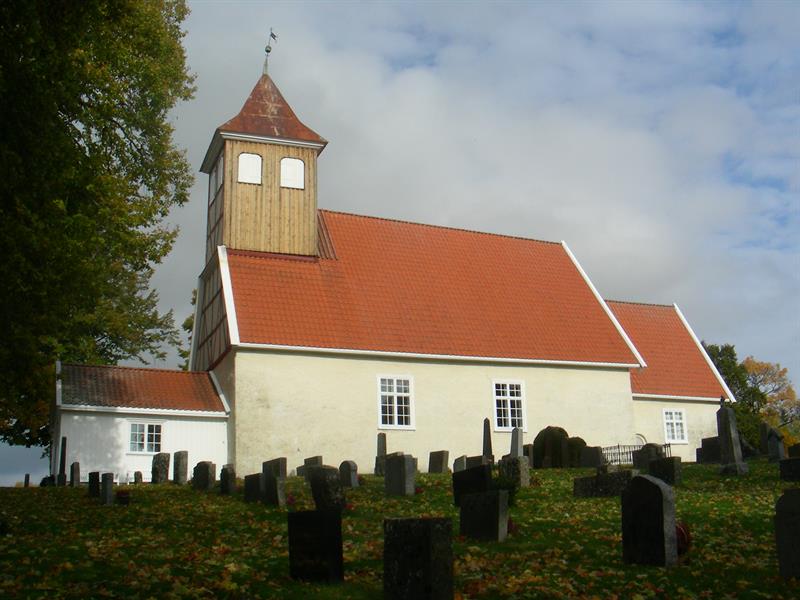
173,542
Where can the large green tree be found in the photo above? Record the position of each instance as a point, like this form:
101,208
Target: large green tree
88,172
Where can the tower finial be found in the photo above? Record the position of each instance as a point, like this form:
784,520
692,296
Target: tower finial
268,49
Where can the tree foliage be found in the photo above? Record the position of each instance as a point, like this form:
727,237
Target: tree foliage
89,172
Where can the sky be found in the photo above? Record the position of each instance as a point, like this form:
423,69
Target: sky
661,140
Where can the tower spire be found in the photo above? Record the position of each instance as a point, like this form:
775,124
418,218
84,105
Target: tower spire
268,49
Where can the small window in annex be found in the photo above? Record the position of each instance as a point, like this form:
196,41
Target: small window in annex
508,405
145,437
395,403
675,426
293,173
249,168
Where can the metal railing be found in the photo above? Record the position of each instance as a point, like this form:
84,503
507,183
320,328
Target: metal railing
623,455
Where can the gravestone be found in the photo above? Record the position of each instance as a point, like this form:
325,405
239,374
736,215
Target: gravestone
380,457
204,476
348,474
709,452
484,516
460,463
315,545
763,438
399,478
747,450
487,441
790,469
605,484
313,461
575,446
516,443
159,472
667,470
48,481
277,466
107,489
75,474
516,470
180,467
645,455
273,489
794,451
326,488
61,478
471,481
527,452
438,461
418,559
94,484
551,448
648,523
730,450
27,480
477,461
138,477
787,533
253,489
227,480
592,456
775,445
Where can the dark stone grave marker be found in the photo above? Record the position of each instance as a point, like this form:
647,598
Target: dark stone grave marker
75,474
138,477
107,489
471,481
418,559
326,488
516,470
204,476
645,455
790,469
775,443
159,473
487,441
313,461
277,466
477,461
94,484
380,457
27,480
763,437
667,470
273,489
253,489
61,478
438,461
592,456
575,446
605,484
787,533
180,467
460,463
400,475
551,448
315,546
794,451
227,480
730,449
484,516
348,474
648,523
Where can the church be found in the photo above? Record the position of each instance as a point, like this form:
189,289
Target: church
315,330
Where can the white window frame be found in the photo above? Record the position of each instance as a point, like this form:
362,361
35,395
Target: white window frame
380,394
293,173
523,409
682,412
248,172
146,425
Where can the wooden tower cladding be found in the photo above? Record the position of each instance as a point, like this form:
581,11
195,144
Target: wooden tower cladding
262,167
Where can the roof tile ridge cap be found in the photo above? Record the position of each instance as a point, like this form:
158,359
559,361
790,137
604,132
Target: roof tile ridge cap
445,227
128,368
262,255
634,303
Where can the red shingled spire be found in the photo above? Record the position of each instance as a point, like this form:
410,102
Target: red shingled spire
266,113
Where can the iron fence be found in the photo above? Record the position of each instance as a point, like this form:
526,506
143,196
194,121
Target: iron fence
623,455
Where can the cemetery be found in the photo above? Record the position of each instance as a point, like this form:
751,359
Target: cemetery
479,527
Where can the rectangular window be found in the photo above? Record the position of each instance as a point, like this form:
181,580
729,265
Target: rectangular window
508,405
395,403
675,426
145,437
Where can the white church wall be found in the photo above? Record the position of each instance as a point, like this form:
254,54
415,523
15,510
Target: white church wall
299,405
700,421
100,441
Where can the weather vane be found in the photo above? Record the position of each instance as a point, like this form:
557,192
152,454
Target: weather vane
268,49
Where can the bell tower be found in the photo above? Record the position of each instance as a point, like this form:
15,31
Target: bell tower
262,184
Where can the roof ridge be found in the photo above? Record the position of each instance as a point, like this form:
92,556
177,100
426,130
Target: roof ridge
127,368
447,227
633,302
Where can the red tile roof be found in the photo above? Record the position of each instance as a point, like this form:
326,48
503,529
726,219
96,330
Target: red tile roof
675,365
129,387
266,113
404,287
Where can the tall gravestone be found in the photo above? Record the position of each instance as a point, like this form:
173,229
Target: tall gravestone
94,484
787,532
204,476
775,446
227,480
516,443
315,545
648,523
487,441
107,489
348,474
418,559
61,478
438,461
400,475
159,472
180,467
326,488
380,456
730,450
27,480
75,474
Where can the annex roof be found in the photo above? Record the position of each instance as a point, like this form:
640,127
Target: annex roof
402,287
676,364
131,387
266,114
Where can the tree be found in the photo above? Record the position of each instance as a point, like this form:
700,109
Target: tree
188,328
89,171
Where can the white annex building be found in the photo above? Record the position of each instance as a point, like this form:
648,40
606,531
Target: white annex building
315,330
